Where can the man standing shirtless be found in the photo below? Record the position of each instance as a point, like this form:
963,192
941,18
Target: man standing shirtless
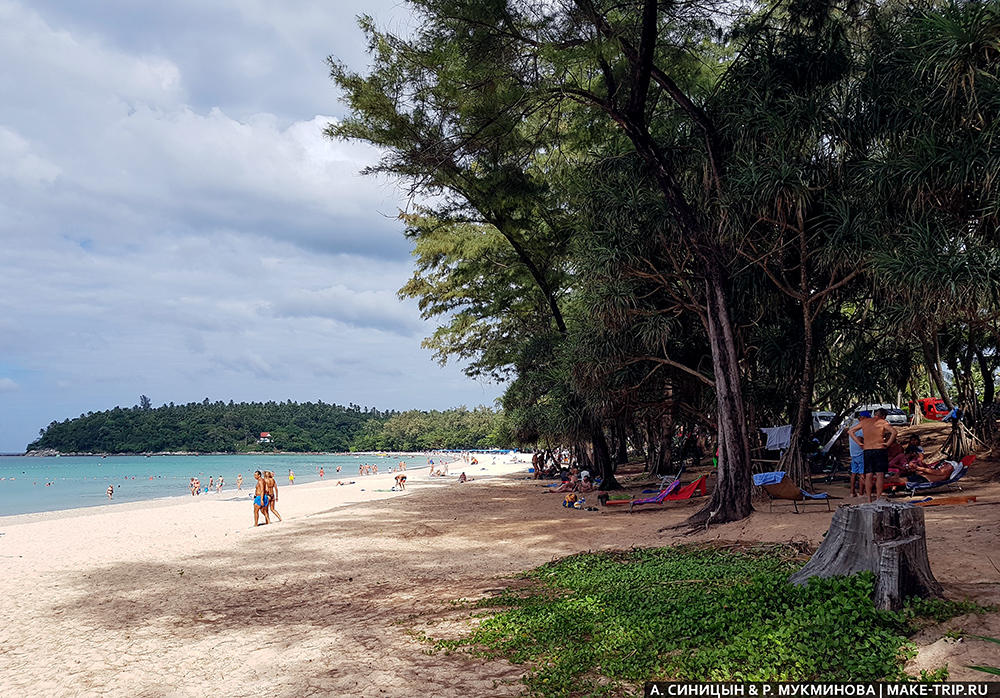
260,500
876,434
271,487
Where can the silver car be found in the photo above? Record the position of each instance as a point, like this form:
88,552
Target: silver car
897,417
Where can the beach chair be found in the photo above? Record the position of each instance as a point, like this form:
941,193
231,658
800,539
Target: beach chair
778,485
700,486
960,469
663,494
667,479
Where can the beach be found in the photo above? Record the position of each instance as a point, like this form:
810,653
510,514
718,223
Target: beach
189,599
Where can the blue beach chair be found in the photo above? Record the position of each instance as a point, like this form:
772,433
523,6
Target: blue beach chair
777,485
957,474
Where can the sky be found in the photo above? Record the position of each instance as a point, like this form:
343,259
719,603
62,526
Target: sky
174,223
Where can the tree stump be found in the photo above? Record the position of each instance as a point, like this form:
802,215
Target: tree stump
886,538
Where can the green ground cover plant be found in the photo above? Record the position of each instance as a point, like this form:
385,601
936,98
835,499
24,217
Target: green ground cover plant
594,623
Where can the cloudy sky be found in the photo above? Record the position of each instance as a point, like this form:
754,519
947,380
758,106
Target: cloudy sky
175,224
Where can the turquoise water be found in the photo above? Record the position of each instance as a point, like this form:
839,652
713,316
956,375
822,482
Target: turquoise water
29,485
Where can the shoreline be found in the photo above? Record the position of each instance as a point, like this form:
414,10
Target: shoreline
355,490
51,453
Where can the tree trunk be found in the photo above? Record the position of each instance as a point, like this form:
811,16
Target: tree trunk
621,442
958,445
602,459
932,358
989,385
731,497
793,460
886,538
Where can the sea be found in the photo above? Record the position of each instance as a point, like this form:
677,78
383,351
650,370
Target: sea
30,484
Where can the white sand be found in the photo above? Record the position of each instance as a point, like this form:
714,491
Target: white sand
185,598
100,596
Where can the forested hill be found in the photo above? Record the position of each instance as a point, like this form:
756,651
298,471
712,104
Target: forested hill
237,427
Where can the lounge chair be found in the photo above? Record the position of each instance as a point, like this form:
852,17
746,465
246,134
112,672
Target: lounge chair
663,494
667,479
778,485
960,469
668,495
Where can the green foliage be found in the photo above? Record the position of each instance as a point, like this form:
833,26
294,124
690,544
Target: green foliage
835,163
591,621
415,430
298,427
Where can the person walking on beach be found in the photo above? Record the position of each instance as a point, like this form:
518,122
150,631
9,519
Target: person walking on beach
877,436
219,489
271,487
291,477
239,481
260,501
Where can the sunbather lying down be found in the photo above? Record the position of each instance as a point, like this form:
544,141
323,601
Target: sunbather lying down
938,472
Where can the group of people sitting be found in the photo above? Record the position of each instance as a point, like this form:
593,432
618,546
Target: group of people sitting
908,462
575,480
547,465
880,462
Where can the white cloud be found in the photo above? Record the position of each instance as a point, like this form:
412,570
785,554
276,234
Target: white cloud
175,223
17,162
380,309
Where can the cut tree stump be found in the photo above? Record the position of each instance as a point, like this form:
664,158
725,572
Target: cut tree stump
886,538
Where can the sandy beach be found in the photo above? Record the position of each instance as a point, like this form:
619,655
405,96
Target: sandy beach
188,599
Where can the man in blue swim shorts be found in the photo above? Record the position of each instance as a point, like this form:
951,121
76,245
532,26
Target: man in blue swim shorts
260,500
858,459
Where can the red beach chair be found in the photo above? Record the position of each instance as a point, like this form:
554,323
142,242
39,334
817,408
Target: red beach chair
699,486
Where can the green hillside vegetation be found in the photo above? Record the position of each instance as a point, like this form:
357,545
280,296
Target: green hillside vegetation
416,430
297,427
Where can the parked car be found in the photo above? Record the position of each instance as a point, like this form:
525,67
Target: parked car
933,408
821,419
897,417
876,406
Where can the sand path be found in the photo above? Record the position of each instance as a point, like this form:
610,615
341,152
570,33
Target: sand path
187,600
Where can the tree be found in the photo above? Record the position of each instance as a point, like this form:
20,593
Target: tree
453,127
144,402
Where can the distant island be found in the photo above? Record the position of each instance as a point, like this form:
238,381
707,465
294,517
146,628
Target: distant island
266,427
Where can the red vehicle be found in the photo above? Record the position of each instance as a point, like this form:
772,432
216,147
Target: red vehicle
932,408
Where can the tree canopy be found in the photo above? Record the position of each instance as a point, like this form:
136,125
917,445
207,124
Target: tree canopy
658,215
230,427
